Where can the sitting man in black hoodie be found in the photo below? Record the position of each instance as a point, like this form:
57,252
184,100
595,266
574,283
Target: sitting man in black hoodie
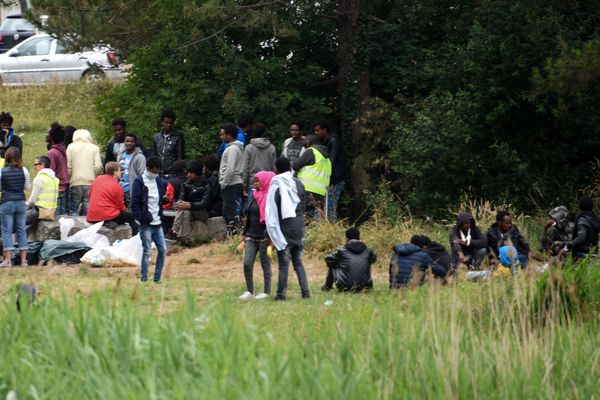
587,228
436,251
467,243
350,265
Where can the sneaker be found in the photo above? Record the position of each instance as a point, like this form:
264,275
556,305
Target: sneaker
326,288
246,296
279,297
261,296
306,295
6,264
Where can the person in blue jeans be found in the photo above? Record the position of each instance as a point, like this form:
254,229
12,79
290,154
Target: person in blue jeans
14,179
147,196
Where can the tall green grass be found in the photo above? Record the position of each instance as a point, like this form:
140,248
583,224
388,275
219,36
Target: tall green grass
469,341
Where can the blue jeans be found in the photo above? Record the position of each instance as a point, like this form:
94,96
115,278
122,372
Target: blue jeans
333,196
149,234
79,195
61,205
294,252
13,214
523,258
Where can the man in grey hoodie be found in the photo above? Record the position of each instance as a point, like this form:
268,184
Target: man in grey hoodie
259,155
230,175
132,163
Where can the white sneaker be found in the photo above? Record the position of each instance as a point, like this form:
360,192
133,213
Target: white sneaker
246,296
261,296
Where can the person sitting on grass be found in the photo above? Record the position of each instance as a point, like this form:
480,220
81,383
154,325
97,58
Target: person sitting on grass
147,196
587,229
436,250
467,243
408,258
254,236
44,192
558,230
106,200
349,267
503,232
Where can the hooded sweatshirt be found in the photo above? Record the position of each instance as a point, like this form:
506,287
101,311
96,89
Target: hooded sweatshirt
230,170
473,236
585,236
351,265
83,159
137,165
259,155
58,163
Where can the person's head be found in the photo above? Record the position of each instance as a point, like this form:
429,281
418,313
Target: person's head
262,180
12,158
228,133
179,168
245,122
282,164
211,163
321,129
464,221
119,125
311,140
421,240
130,142
167,120
194,170
41,162
69,131
352,234
504,220
112,168
259,130
586,204
6,120
296,129
154,165
55,134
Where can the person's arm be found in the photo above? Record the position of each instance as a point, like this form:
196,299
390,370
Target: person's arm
246,168
108,152
207,198
578,236
154,147
333,149
372,257
233,154
69,161
478,241
521,240
181,147
332,260
308,158
27,179
97,162
35,191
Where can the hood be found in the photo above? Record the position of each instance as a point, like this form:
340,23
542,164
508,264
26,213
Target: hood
322,149
60,147
237,144
261,143
465,216
356,246
47,171
560,215
436,247
406,249
82,135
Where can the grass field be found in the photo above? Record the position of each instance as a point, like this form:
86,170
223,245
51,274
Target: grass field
100,334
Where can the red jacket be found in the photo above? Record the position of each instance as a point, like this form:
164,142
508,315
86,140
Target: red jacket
106,199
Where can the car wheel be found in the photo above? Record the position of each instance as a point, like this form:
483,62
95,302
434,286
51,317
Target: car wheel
93,75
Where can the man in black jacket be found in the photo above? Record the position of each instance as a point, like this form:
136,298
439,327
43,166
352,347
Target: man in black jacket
502,233
350,265
467,243
168,145
211,177
335,153
587,228
193,202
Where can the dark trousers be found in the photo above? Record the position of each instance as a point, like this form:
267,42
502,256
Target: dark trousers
125,218
293,252
232,203
476,257
252,248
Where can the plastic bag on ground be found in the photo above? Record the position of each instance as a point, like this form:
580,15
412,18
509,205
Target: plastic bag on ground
66,224
89,236
124,252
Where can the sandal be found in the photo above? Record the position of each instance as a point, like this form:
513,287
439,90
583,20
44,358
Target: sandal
6,264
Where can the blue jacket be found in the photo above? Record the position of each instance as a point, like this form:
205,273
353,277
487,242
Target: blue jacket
407,256
139,199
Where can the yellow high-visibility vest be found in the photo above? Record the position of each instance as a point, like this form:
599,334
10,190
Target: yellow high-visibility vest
316,177
48,195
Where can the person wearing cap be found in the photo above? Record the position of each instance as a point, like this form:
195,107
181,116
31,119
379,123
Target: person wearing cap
557,230
585,234
83,165
194,199
349,267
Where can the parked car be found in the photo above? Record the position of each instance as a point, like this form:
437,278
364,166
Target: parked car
14,30
42,58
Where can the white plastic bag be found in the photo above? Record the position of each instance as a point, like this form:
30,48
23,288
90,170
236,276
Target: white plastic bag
90,236
128,251
66,224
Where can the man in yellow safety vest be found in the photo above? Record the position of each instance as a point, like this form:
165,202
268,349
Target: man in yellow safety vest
44,192
313,168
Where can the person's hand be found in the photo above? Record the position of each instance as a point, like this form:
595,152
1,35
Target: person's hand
183,205
549,223
245,193
462,258
459,241
242,244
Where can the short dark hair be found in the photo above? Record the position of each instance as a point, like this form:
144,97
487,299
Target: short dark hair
245,119
282,164
178,167
56,133
111,167
69,130
586,203
6,117
229,129
168,114
195,167
501,214
45,161
352,233
420,240
119,121
132,135
154,162
211,162
323,124
259,130
297,122
312,139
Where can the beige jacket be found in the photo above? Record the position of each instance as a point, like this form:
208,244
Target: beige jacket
83,159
